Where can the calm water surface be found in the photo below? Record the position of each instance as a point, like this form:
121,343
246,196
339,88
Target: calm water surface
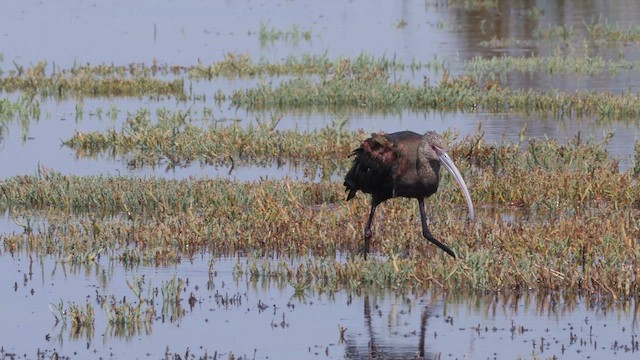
266,320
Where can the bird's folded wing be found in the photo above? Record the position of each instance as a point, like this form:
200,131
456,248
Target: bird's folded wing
381,149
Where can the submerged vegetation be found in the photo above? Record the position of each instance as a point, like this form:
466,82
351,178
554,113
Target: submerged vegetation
23,111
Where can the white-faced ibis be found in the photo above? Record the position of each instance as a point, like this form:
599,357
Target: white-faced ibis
401,164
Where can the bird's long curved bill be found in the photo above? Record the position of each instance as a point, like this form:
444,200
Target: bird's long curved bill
448,163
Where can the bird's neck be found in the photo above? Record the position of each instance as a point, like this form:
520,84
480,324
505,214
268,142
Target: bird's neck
429,172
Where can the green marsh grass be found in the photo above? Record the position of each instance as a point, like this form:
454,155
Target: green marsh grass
59,312
363,82
581,235
271,35
591,36
242,65
601,31
473,4
138,79
372,90
129,318
85,81
500,43
82,318
172,298
565,33
401,24
597,33
173,139
24,110
636,163
126,319
499,66
533,13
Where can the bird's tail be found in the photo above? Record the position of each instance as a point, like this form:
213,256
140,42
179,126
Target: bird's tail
349,179
350,187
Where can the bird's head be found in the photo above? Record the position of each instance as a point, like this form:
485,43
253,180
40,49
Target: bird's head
434,147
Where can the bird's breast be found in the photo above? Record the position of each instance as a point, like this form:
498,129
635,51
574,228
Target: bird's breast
416,182
414,190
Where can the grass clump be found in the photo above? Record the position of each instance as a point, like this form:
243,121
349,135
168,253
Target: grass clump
24,110
82,318
242,65
599,32
372,90
502,43
128,318
591,37
116,80
85,81
546,174
176,141
271,35
636,165
473,4
556,64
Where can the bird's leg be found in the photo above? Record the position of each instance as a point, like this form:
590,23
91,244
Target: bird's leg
367,230
427,234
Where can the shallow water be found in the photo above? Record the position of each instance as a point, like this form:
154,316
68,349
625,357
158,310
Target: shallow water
264,319
20,156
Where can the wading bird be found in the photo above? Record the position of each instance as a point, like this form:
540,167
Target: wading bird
401,164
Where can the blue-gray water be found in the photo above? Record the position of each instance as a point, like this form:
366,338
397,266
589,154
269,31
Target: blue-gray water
267,320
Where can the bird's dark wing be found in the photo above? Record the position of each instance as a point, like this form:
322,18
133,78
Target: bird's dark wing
376,163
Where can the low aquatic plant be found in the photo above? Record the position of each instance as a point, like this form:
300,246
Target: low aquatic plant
82,318
85,82
176,141
270,35
172,298
372,90
599,31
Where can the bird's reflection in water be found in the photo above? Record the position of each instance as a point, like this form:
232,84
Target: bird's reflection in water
399,338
